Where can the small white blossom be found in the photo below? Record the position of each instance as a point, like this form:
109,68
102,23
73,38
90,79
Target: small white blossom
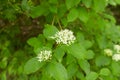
44,55
64,36
108,52
116,57
117,48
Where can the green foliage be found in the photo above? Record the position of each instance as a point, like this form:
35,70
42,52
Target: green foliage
92,76
32,65
49,31
56,70
105,72
72,3
85,66
102,60
73,15
28,27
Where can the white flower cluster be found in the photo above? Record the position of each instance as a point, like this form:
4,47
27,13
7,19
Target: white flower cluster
65,37
108,52
116,56
117,48
44,55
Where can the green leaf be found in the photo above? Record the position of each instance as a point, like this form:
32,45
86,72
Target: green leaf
49,31
72,69
87,3
83,14
80,37
102,60
3,63
90,54
25,5
3,75
53,8
59,53
37,50
71,3
112,2
117,1
105,72
32,65
53,1
85,66
57,71
99,5
38,11
77,51
62,10
92,76
34,42
87,44
115,68
70,59
80,75
72,15
102,42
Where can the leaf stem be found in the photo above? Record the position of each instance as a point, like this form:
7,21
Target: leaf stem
53,20
59,24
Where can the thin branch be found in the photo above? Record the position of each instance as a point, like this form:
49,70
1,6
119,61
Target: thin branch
59,24
53,21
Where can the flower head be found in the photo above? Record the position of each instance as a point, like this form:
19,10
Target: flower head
64,36
117,48
116,57
108,52
44,55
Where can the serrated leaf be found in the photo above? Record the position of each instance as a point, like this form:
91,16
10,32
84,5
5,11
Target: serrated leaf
71,3
105,72
102,60
49,31
72,15
92,76
83,14
77,51
85,66
32,65
57,71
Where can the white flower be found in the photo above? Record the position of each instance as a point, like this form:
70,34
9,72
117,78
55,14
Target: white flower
117,48
64,36
108,52
44,55
116,57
